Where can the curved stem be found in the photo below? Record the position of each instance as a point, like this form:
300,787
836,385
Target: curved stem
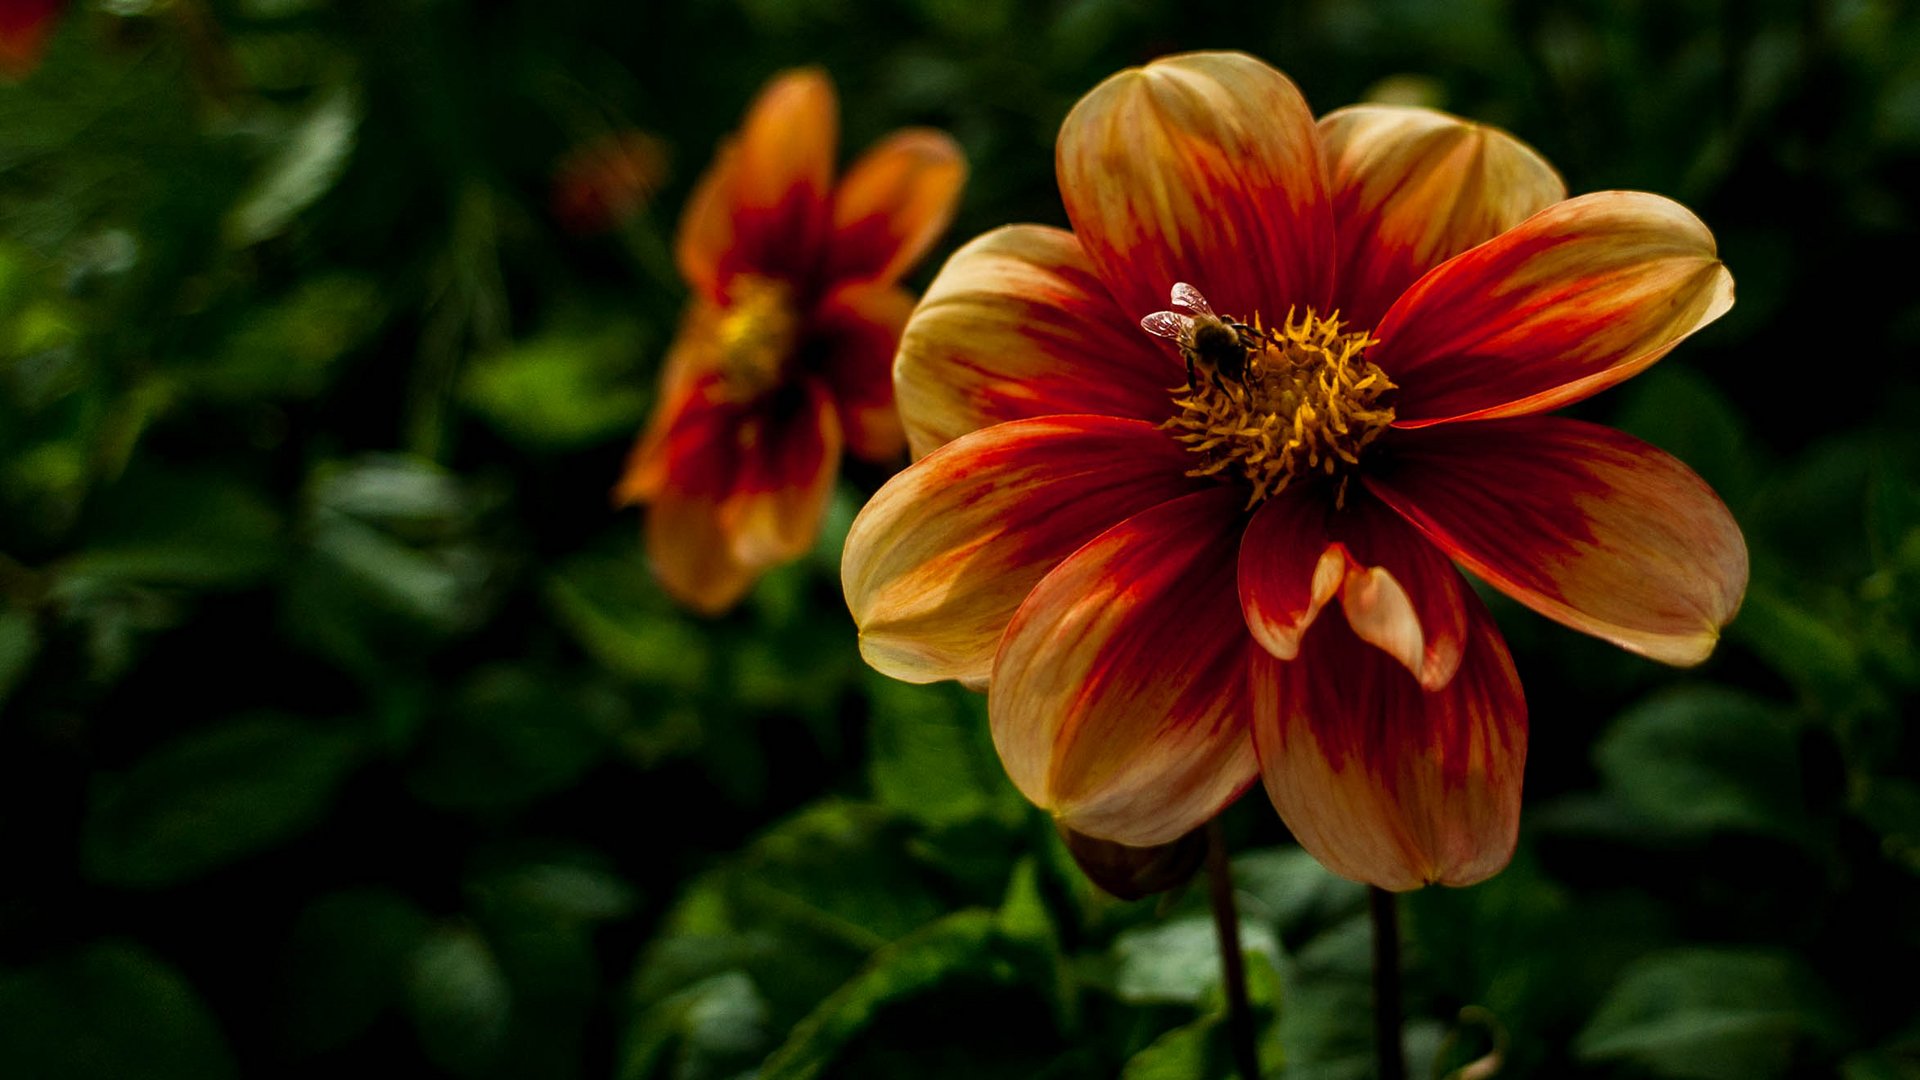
1233,966
1387,1043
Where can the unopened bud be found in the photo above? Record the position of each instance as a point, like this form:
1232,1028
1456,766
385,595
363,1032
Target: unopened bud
1131,873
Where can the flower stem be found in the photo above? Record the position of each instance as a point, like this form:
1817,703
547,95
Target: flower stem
1233,966
1386,985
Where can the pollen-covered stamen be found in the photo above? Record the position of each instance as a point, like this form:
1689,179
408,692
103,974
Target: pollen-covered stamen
756,335
1272,404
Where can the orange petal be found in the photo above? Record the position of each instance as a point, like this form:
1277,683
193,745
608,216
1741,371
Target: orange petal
706,224
1382,781
1583,524
691,556
789,453
1400,593
894,203
1578,297
858,329
1203,168
1017,325
1412,188
764,206
685,541
938,561
1119,699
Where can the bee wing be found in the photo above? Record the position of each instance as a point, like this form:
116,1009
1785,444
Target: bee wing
1167,324
1187,297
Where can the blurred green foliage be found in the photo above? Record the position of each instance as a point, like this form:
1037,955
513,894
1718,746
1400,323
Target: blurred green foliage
341,726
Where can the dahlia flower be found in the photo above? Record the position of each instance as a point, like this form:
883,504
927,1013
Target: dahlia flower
784,353
1194,478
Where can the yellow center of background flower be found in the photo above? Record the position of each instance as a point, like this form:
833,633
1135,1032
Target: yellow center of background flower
756,335
1303,403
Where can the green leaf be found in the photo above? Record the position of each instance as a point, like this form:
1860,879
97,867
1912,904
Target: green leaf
716,1028
304,168
1704,1014
1700,759
1682,412
19,642
1820,658
1294,893
393,566
1890,805
345,961
930,754
1178,961
621,617
966,945
288,347
1200,1051
799,911
460,1000
564,389
159,527
210,798
509,737
113,1012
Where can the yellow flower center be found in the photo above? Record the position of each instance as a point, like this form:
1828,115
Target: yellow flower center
756,335
1276,404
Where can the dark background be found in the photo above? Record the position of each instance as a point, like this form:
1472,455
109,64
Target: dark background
342,728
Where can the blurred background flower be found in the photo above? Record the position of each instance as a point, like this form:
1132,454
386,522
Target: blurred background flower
602,183
342,726
25,26
785,354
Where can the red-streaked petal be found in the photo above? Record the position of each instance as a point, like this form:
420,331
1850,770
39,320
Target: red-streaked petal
892,205
1119,699
1017,325
1288,570
789,454
685,541
1578,297
858,328
782,178
1382,781
939,560
1412,188
1202,168
1585,525
693,415
1401,593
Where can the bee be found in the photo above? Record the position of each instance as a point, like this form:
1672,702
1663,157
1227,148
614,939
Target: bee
1214,346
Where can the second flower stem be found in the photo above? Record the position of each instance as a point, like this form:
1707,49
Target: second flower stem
1386,985
1233,965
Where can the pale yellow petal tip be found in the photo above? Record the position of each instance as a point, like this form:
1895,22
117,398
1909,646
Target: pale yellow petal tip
898,658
